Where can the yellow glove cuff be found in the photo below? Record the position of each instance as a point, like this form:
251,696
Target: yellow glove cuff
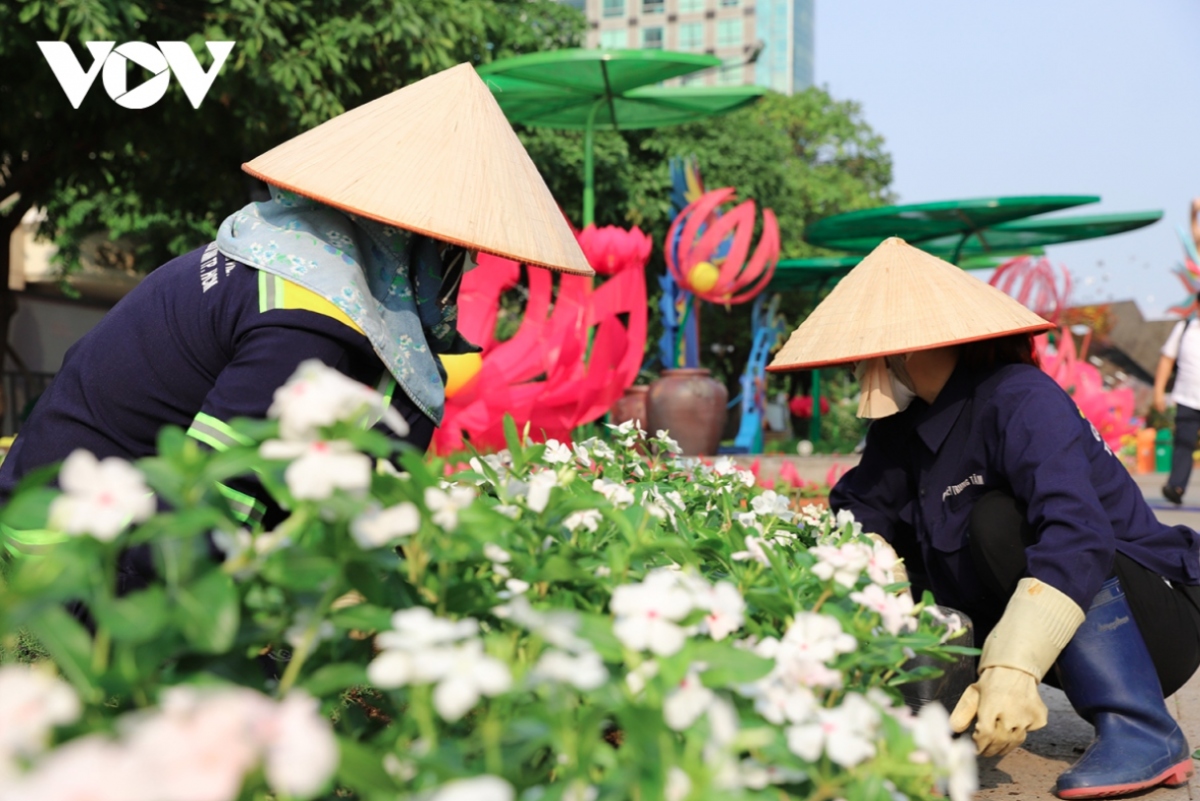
1037,624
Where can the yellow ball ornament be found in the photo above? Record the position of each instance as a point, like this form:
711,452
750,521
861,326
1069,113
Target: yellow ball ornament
460,369
703,277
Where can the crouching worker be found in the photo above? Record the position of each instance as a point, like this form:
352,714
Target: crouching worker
354,261
1007,504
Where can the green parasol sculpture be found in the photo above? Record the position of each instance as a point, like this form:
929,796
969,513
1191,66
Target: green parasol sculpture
580,89
957,229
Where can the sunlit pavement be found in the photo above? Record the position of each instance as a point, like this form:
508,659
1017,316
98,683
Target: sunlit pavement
1030,771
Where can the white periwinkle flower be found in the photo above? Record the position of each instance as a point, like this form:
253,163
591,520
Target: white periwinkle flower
585,671
557,453
647,613
377,527
465,673
846,734
100,498
476,788
617,494
32,703
317,396
320,467
540,485
679,785
301,751
844,563
726,609
896,610
756,550
772,503
687,702
587,518
956,758
445,505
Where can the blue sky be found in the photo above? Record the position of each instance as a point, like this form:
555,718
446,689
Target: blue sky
980,98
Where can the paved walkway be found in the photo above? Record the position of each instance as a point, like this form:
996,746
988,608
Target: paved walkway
1028,773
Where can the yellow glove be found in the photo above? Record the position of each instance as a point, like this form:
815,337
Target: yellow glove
1037,624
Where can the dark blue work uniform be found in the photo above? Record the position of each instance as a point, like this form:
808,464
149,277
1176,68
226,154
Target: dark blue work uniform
1015,430
201,341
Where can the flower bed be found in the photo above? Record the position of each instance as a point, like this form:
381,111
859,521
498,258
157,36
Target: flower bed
600,621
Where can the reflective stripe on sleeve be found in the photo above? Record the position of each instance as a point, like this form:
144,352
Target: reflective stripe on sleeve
215,433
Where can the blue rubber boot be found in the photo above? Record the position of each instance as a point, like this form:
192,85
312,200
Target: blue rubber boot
1109,678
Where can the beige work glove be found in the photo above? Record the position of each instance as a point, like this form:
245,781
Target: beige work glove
1037,624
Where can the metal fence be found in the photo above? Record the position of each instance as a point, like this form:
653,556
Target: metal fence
21,389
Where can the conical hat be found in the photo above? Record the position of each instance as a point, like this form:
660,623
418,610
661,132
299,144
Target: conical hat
439,158
900,299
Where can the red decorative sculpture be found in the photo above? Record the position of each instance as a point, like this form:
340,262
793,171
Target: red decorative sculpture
1036,284
707,250
611,250
571,357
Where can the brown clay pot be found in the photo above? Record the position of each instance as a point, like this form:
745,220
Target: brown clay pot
690,404
630,406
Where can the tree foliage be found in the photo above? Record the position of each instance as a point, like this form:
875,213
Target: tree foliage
171,172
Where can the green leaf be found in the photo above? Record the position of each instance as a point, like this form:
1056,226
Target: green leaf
297,570
29,510
597,629
183,524
208,612
361,768
136,618
558,569
69,645
728,665
331,678
364,577
363,617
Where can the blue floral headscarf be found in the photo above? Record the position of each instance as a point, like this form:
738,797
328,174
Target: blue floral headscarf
387,280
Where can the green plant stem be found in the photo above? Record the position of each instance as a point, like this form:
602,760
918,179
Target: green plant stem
491,742
308,640
825,596
423,711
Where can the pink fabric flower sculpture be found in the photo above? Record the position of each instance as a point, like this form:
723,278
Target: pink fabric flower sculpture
707,250
611,250
575,352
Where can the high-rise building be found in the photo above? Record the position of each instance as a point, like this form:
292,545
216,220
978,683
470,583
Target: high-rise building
764,42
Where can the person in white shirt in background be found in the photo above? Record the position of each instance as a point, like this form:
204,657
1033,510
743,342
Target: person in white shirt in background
1182,351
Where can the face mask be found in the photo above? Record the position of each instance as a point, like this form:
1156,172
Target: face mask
885,391
902,391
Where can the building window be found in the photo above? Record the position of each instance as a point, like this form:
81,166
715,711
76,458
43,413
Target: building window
614,40
578,5
691,6
691,35
614,8
728,3
652,38
730,75
653,6
729,32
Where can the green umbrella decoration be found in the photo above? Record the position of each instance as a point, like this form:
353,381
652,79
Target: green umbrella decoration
584,90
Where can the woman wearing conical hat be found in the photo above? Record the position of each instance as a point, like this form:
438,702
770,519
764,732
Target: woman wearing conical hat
1006,503
354,261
